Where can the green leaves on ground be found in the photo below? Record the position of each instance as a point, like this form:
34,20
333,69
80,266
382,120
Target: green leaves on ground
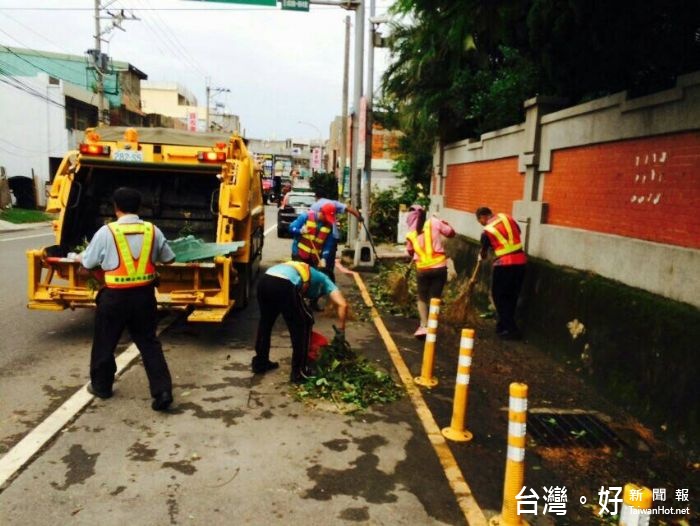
348,379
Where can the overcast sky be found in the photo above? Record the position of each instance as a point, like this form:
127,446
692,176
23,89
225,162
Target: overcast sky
282,67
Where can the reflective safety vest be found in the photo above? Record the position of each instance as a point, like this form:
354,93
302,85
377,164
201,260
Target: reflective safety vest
132,272
311,243
426,257
304,273
504,235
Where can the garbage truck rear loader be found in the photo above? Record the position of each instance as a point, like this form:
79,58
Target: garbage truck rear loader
199,189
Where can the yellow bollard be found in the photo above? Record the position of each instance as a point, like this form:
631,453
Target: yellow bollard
634,501
456,430
515,459
426,378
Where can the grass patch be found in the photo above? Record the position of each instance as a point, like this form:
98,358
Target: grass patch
21,215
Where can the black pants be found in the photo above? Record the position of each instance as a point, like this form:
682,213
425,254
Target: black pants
279,296
430,283
135,309
505,288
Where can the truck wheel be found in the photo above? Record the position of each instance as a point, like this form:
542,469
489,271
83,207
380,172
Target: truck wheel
240,292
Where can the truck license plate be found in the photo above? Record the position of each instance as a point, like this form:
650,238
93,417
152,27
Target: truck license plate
128,155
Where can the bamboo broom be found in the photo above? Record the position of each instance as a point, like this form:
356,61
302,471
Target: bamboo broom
460,311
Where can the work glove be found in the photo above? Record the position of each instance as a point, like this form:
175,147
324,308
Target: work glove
322,263
360,218
303,230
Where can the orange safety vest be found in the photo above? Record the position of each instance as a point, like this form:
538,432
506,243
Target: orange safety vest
504,235
132,272
426,256
304,272
311,243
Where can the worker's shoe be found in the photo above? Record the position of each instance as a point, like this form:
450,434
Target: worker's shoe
510,335
262,366
162,401
420,332
299,376
99,393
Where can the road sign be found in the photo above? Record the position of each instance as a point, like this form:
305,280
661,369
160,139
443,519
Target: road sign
316,159
295,5
271,3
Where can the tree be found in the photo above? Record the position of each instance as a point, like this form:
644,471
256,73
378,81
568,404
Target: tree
460,68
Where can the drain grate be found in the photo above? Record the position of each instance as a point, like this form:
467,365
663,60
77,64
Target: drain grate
570,429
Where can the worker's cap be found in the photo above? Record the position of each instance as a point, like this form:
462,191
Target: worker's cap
328,211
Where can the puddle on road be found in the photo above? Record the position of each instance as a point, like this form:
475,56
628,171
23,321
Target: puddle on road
80,464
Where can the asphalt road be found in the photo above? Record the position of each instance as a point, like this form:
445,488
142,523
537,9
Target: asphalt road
235,448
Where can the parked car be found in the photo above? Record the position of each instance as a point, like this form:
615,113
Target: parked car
296,203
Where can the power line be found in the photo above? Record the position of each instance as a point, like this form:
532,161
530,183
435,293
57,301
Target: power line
66,67
17,84
164,28
235,9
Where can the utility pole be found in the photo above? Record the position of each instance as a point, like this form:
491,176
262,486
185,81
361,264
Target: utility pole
357,95
98,71
215,90
344,128
100,60
367,171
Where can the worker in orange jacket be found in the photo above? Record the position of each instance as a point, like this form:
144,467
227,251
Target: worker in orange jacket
502,236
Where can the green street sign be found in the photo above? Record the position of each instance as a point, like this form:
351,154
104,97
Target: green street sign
295,5
270,3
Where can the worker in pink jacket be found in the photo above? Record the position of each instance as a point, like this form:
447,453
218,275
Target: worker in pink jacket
424,246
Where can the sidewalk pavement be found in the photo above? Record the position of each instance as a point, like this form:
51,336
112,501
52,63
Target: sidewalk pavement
6,226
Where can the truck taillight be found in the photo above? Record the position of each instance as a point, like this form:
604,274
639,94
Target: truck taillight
211,157
94,149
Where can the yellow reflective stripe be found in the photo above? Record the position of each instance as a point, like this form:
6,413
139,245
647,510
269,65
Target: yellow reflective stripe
426,258
114,280
123,247
146,247
133,274
507,245
302,269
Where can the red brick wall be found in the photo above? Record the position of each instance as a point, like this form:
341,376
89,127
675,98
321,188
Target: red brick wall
643,188
495,184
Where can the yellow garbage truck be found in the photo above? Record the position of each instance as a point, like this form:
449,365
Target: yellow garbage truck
200,189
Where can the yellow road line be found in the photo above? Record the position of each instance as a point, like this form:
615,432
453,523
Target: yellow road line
472,512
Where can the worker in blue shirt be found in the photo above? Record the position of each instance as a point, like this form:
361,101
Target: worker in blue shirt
282,290
323,203
312,236
127,250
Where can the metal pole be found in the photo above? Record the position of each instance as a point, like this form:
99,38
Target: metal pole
357,95
98,72
344,128
367,173
206,110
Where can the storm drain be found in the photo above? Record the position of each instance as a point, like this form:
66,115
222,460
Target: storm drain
570,429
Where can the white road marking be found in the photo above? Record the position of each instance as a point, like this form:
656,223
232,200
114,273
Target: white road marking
25,449
26,237
270,229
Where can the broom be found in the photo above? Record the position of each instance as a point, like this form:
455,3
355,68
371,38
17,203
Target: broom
460,311
397,285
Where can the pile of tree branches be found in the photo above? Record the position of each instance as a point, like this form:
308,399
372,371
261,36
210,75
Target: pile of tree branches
348,379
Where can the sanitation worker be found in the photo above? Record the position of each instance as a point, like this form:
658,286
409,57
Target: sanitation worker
282,290
127,251
312,236
502,235
338,208
424,246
